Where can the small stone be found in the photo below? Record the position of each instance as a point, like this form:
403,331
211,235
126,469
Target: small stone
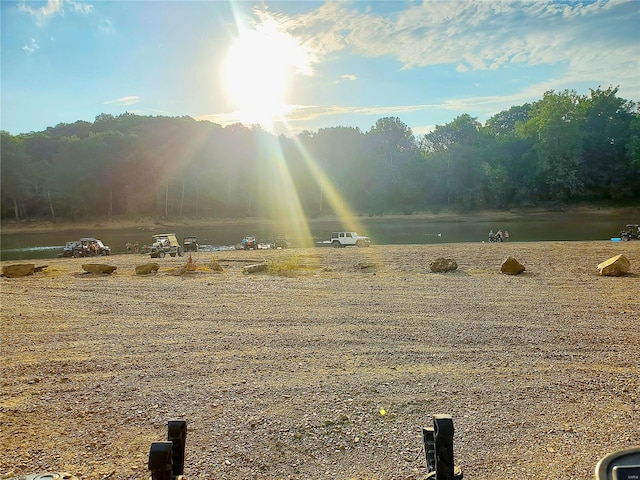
441,265
98,268
259,267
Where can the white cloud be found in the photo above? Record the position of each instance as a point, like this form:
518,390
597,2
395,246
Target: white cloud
55,7
420,130
52,8
306,113
106,26
32,46
131,100
345,78
594,42
80,7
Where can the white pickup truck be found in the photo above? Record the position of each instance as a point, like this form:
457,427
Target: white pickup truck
344,239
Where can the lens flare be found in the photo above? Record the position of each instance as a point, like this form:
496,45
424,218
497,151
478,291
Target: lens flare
258,70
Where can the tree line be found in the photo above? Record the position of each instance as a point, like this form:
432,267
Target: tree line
564,148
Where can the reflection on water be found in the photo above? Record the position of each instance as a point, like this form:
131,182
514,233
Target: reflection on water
383,231
32,249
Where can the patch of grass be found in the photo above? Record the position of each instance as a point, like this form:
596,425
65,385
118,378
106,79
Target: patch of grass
478,271
286,266
56,272
214,266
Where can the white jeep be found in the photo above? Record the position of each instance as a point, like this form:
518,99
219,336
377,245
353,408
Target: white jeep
344,239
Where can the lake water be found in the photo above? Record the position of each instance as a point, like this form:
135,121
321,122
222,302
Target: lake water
383,231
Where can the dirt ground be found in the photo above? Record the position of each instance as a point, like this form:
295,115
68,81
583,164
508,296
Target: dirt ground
286,376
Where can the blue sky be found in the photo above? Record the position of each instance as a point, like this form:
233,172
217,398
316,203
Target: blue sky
305,65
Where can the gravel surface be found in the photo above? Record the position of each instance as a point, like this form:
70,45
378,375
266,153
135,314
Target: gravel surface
285,376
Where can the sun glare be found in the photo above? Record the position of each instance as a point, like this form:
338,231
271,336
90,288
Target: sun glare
258,71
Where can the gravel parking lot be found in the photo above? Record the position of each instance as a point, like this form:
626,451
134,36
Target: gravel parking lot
285,376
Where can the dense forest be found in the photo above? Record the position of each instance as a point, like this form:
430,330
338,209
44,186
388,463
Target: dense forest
565,148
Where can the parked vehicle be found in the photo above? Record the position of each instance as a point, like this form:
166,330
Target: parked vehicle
280,241
632,231
90,247
69,248
190,244
249,242
165,243
345,239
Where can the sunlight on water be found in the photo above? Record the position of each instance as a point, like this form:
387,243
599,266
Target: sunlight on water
32,249
284,205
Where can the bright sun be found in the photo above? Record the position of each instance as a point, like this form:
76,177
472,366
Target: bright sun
258,71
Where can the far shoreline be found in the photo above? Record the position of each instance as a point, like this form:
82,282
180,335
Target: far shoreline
11,227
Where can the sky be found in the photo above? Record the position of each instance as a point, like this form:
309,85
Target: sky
291,66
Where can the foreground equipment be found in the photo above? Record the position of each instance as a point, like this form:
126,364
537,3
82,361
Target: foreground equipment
166,459
438,448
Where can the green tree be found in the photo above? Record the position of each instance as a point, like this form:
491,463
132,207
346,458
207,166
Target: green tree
450,150
463,130
390,146
607,120
555,129
632,149
338,153
17,173
504,123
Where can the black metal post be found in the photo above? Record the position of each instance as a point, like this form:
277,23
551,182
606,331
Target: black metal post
160,460
443,436
429,448
177,434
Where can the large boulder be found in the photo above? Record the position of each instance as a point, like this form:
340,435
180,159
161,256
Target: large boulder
147,268
18,270
442,264
511,266
98,268
617,266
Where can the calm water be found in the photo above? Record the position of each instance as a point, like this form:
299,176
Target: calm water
406,230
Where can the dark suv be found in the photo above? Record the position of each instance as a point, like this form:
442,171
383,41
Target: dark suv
280,241
70,248
190,244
